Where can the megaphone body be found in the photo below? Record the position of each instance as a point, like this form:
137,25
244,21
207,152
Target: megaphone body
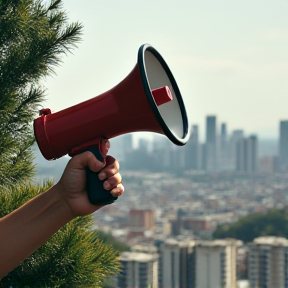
148,99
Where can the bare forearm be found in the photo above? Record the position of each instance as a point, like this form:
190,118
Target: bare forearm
30,226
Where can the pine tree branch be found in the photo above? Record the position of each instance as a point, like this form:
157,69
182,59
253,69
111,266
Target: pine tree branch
55,4
33,38
40,48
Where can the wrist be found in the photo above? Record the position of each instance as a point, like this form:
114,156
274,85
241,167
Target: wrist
62,203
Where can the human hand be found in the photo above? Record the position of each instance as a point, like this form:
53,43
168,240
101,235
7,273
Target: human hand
41,217
72,184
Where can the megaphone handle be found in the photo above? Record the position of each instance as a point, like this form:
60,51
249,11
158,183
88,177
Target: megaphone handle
97,195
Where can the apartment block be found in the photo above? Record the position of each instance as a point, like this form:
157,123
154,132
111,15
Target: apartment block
198,264
268,262
139,270
143,219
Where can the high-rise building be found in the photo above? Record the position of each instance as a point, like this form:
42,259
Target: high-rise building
175,265
198,264
203,156
138,270
121,147
247,154
127,142
223,139
223,131
252,154
193,150
211,129
237,136
215,264
140,158
283,146
224,157
210,144
240,154
268,262
162,153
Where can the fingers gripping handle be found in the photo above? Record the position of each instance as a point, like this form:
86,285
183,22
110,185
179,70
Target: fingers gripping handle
97,195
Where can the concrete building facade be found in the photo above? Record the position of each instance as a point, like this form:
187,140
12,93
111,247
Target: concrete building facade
139,270
198,264
268,262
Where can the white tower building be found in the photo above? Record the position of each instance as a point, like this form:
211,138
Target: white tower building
268,262
198,264
138,270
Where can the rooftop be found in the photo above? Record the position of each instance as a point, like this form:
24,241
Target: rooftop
271,240
138,257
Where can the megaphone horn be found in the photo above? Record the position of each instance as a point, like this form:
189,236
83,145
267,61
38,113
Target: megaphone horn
148,99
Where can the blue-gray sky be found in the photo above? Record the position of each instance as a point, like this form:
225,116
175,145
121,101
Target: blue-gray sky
230,58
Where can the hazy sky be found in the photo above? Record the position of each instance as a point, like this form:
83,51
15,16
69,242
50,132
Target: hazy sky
230,58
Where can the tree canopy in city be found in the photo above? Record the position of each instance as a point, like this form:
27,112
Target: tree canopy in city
272,223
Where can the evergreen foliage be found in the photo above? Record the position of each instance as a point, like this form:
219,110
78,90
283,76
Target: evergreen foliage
34,35
32,39
272,223
73,257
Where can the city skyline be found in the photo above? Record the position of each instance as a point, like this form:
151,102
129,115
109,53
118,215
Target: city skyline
229,58
221,127
119,147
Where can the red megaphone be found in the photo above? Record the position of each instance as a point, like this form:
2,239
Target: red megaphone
148,99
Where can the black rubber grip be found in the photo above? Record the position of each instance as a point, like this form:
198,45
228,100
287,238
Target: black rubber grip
96,193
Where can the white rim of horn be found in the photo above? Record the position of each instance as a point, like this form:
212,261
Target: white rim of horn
172,115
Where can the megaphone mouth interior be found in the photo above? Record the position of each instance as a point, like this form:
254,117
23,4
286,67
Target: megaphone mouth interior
172,115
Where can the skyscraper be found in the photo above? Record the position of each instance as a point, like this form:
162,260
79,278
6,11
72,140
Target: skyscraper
237,136
211,129
252,154
162,155
128,141
224,149
121,147
283,146
223,139
247,154
223,131
210,144
126,148
193,150
241,154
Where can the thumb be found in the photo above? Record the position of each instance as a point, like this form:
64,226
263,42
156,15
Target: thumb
81,161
